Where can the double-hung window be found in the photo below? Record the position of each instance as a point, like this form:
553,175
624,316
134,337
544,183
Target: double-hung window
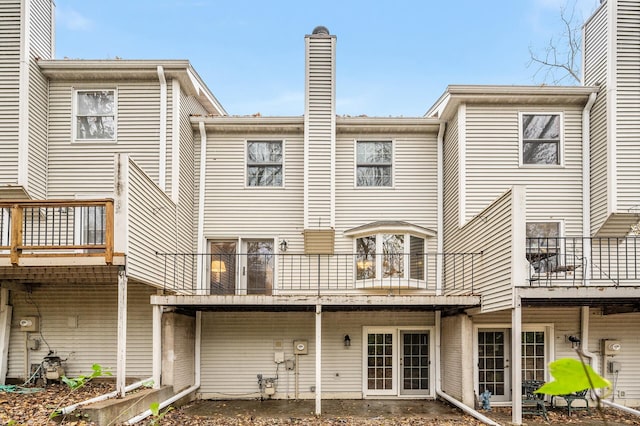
374,163
541,139
95,115
264,163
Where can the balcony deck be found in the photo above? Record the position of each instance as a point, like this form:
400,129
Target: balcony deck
43,240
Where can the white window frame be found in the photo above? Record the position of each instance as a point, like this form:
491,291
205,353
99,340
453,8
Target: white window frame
246,163
78,229
560,254
396,331
549,339
378,280
521,141
241,253
74,119
355,163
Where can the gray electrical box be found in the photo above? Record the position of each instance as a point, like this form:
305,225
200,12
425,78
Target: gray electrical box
300,347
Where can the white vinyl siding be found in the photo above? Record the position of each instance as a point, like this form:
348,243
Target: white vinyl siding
453,343
9,90
40,46
319,136
595,72
628,104
236,347
151,228
88,167
233,210
492,165
491,234
94,340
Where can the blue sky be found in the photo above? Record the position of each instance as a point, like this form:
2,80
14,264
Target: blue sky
394,58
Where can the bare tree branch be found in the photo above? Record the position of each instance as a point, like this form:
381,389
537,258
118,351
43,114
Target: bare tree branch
560,60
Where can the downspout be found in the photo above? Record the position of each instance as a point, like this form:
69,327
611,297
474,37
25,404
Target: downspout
440,212
439,392
162,169
201,194
586,224
73,407
584,339
187,391
586,188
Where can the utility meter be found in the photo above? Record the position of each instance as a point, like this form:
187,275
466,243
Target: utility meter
300,347
611,347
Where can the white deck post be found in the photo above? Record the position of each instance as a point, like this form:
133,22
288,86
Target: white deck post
157,346
5,329
516,362
121,373
318,360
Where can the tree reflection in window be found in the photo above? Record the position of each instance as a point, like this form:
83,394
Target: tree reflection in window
392,256
366,259
264,163
95,114
374,163
260,267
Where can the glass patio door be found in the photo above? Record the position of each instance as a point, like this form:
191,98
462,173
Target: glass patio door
380,369
414,363
493,363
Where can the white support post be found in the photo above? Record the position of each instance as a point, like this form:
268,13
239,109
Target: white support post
318,360
121,373
516,362
5,329
157,346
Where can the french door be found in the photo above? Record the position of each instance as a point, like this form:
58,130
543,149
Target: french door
494,372
397,362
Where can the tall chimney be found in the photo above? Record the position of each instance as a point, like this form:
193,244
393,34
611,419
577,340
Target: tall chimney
319,130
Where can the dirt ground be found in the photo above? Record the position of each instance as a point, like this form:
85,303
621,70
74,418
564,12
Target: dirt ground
19,409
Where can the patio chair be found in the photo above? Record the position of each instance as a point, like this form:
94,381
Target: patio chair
582,395
533,403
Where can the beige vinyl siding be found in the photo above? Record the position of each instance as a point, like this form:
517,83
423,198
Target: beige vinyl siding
9,90
186,225
451,175
95,338
40,48
190,167
451,364
151,218
87,167
491,272
622,327
319,129
234,210
492,158
413,197
178,350
595,72
236,347
169,166
628,106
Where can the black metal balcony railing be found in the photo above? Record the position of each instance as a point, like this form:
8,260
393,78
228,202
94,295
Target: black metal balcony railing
32,227
578,260
267,274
